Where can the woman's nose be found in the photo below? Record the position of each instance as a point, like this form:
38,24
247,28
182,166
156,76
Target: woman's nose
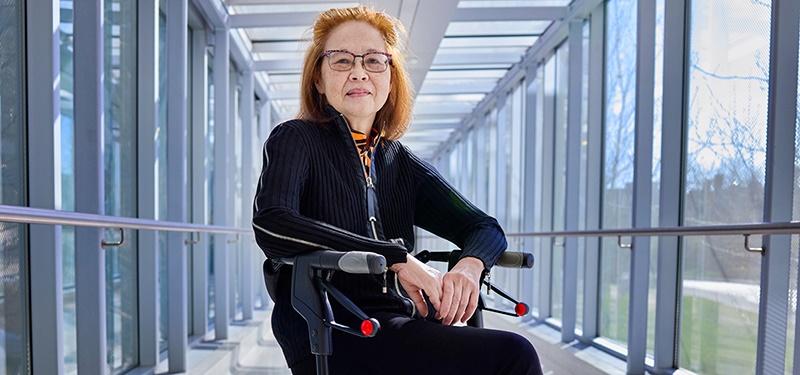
358,73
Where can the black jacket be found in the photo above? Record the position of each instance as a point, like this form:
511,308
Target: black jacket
312,195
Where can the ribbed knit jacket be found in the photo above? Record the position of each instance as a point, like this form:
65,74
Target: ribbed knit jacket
312,195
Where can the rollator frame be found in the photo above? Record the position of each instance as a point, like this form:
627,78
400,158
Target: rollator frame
312,287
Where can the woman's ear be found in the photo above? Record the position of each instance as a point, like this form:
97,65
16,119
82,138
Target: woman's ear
318,86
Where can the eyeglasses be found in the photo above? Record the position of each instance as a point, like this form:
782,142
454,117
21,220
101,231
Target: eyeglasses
342,60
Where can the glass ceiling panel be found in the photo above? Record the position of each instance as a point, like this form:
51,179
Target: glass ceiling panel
497,41
290,8
452,74
439,87
450,98
279,33
478,28
284,78
444,107
488,55
512,3
482,50
477,65
285,86
422,120
293,56
433,133
291,46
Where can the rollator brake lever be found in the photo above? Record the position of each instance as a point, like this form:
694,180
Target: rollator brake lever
369,327
520,308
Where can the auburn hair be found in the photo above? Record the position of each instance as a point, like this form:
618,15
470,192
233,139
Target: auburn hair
395,115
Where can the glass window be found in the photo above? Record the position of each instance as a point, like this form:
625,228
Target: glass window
482,167
618,141
210,186
793,264
161,179
491,167
515,162
237,199
725,156
68,185
469,170
583,172
188,206
656,173
538,182
13,186
120,180
559,177
790,337
503,155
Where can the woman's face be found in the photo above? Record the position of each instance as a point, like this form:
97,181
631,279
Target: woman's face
357,93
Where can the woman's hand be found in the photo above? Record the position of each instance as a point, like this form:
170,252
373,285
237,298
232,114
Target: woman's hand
460,291
416,277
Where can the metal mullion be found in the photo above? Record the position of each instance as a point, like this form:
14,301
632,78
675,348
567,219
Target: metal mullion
221,129
44,187
548,245
642,184
670,191
572,196
90,280
529,131
199,61
594,170
230,177
781,117
147,112
247,248
177,276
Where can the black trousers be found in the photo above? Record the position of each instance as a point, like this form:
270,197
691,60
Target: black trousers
415,346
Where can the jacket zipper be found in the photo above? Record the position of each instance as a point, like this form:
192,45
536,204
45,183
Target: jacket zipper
367,180
373,219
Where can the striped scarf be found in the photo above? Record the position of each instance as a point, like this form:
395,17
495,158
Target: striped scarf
365,145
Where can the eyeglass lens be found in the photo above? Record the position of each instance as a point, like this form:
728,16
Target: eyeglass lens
372,62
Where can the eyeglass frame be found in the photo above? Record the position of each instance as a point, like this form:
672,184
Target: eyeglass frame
329,52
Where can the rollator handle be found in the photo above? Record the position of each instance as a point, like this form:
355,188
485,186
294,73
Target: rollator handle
357,262
515,259
509,259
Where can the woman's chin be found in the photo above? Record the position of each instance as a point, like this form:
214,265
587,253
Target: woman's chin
359,112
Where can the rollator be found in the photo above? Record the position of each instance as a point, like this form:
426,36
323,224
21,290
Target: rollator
312,288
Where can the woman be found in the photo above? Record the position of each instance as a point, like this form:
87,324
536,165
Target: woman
321,174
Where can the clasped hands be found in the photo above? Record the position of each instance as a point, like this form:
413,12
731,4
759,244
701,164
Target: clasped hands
453,295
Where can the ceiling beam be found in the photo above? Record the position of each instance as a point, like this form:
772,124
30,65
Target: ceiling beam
509,14
426,31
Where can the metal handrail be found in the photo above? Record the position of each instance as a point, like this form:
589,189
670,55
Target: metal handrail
28,215
790,227
746,230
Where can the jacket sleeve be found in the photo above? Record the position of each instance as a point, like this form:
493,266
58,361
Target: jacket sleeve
441,210
280,230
